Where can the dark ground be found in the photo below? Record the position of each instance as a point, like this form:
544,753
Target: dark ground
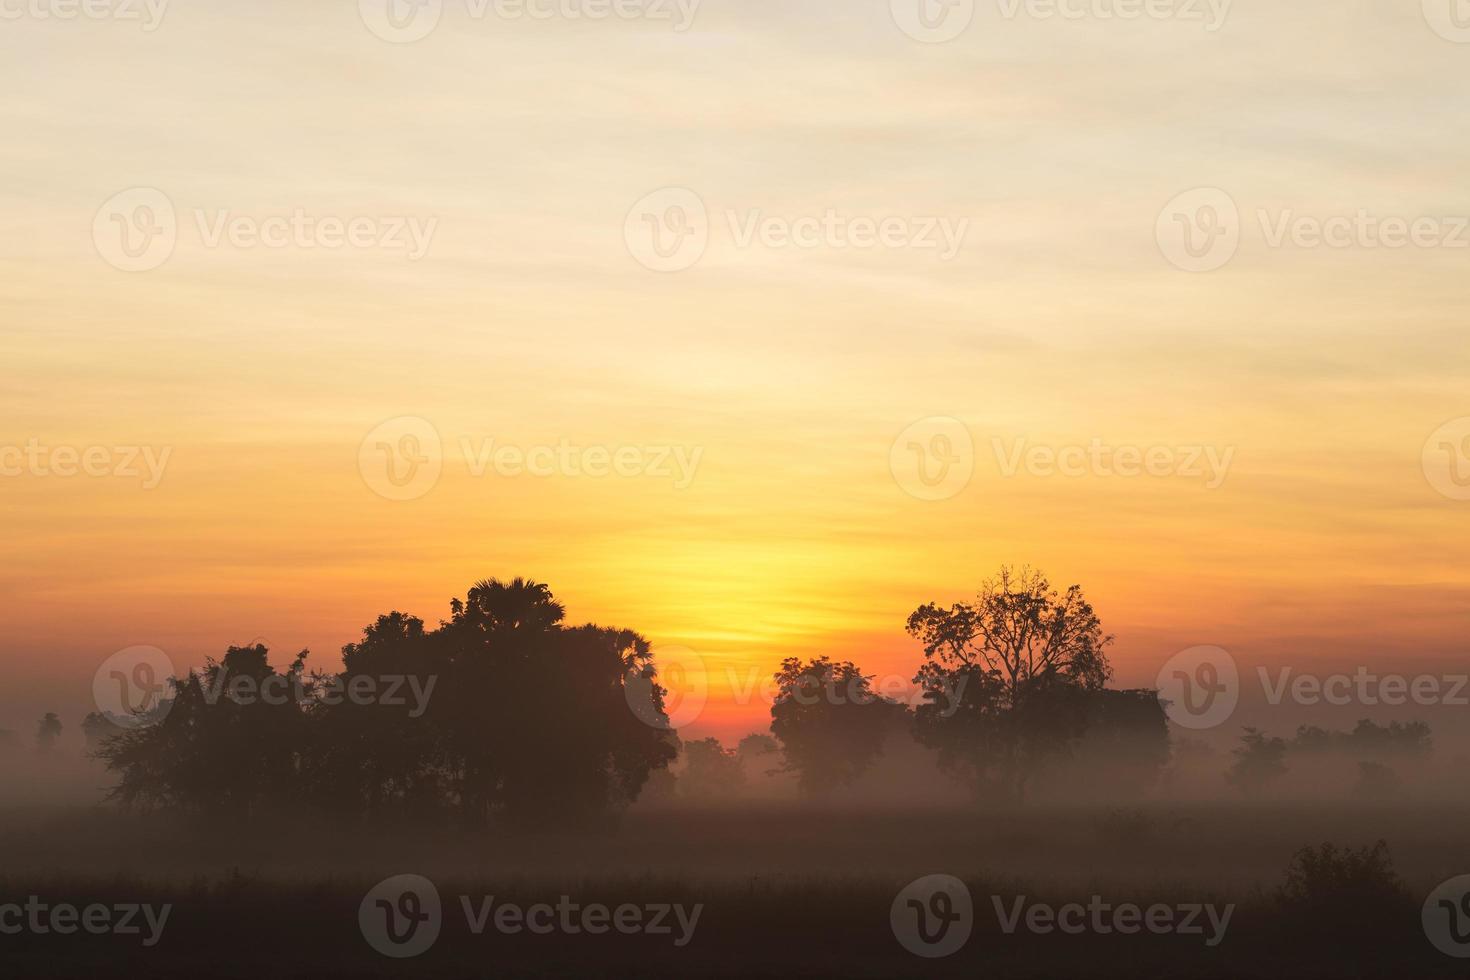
786,891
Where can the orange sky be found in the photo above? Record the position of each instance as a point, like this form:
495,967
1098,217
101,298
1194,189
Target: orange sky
792,371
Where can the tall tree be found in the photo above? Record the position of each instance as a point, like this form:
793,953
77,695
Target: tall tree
1020,629
830,722
513,714
1011,680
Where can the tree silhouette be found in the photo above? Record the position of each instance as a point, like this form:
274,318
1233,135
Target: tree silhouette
1015,679
231,744
1396,739
1126,738
1019,629
755,747
710,770
497,606
97,728
47,732
830,723
513,715
376,758
1259,762
537,721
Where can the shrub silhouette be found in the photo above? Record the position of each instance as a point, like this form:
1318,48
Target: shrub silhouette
1347,894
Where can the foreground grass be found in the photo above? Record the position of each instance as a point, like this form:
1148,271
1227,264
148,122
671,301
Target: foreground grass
783,892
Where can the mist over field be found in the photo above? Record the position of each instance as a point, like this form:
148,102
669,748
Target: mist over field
463,791
734,488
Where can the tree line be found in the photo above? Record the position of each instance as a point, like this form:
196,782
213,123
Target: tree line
535,721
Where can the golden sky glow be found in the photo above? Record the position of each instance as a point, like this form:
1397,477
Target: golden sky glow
791,370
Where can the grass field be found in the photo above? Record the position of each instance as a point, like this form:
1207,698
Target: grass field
784,890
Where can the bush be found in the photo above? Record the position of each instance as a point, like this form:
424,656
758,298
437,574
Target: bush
1351,894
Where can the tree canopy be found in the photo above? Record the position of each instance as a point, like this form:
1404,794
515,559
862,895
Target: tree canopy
512,714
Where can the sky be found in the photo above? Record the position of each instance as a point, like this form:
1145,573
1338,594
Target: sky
812,250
